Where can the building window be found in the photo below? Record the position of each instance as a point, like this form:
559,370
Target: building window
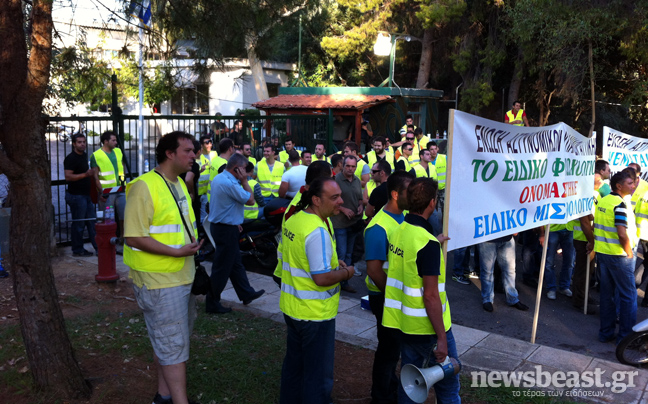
191,101
273,89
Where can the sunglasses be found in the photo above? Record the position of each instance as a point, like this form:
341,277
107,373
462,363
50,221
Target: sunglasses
207,142
409,138
375,171
410,149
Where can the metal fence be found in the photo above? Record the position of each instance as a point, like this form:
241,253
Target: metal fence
305,130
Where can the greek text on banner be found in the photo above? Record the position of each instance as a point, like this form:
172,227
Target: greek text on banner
506,179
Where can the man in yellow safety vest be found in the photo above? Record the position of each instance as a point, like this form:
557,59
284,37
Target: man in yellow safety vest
613,244
416,300
160,246
516,116
310,295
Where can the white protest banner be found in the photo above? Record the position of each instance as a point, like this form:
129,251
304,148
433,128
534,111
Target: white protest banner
506,179
621,149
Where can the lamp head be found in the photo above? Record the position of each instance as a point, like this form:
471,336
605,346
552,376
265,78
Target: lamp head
383,46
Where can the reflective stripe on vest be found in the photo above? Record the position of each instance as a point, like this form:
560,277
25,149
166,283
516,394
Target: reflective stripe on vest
440,166
204,179
606,238
404,289
301,297
270,181
107,177
251,211
166,227
388,224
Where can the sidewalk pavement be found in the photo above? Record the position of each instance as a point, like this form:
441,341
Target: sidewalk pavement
478,350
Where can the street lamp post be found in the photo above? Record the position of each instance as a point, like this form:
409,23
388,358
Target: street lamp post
386,46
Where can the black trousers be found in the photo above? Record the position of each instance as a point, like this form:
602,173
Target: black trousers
227,264
384,385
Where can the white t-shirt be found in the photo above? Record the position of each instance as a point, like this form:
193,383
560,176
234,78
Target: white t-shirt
296,178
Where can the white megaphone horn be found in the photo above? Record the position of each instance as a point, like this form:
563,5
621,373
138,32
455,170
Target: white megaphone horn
417,382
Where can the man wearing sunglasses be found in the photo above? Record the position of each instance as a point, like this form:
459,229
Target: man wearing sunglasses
205,161
403,161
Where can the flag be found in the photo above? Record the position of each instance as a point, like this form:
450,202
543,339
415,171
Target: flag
142,10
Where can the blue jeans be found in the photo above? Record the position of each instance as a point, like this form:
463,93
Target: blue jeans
81,207
564,239
617,276
504,253
421,355
344,241
307,372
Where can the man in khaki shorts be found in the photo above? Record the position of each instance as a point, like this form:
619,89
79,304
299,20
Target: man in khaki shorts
160,231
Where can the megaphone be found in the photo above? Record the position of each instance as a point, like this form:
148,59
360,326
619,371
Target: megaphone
417,382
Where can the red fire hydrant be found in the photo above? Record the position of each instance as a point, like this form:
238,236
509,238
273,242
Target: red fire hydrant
106,243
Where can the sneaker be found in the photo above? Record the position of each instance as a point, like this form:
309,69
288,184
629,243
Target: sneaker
551,295
520,306
159,400
488,306
566,292
461,279
472,275
357,272
4,273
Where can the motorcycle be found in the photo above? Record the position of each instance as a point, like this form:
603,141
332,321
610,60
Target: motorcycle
633,348
259,239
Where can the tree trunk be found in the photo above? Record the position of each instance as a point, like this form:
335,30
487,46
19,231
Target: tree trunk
426,60
516,79
22,88
255,65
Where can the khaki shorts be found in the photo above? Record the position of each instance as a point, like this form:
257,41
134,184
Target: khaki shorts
169,314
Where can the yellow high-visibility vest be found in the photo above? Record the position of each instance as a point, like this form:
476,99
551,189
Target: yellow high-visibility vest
301,297
404,307
107,176
166,227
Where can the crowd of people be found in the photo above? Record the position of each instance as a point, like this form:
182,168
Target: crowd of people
386,207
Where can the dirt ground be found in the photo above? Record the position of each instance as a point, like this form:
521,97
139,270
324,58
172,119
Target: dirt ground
135,381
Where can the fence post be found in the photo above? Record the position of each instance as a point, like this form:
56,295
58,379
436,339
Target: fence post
329,132
118,122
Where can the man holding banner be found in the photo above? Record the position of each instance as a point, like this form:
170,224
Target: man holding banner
613,247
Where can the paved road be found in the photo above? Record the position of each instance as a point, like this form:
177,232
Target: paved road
560,325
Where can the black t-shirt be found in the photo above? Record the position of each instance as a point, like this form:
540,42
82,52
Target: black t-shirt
78,163
379,196
195,203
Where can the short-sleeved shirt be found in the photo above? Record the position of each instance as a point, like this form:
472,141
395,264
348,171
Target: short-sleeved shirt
379,196
428,259
296,178
604,190
319,250
620,214
227,200
138,218
78,164
376,240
